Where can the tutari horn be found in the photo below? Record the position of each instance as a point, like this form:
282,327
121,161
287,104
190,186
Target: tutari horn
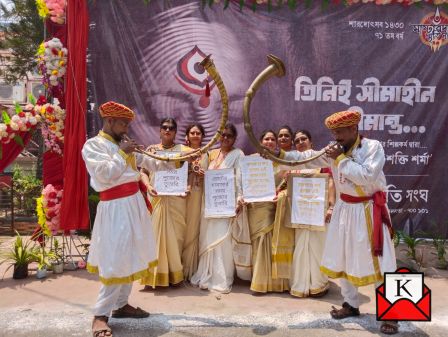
275,68
209,66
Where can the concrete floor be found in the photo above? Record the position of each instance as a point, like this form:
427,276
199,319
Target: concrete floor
60,306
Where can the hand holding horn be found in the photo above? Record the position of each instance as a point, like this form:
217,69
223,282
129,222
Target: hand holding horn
275,68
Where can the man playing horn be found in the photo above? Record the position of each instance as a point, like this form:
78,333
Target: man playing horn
360,248
122,246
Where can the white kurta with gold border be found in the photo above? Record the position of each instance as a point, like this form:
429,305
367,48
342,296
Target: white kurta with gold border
122,245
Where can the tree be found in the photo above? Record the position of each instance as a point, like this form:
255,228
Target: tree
23,31
26,189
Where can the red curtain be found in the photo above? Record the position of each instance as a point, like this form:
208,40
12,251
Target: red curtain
74,209
52,169
11,150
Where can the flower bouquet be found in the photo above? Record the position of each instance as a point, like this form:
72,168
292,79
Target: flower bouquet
52,126
10,126
55,9
52,62
48,209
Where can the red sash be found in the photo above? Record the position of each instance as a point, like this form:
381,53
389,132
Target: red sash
126,190
380,216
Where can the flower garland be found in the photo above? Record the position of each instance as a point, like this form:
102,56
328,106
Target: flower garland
293,4
52,59
52,126
11,125
55,9
404,2
48,208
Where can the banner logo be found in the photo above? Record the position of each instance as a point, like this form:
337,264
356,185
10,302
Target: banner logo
403,297
433,30
193,77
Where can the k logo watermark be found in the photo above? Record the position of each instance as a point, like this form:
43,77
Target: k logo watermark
403,297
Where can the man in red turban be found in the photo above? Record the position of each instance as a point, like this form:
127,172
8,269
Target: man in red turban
359,249
122,247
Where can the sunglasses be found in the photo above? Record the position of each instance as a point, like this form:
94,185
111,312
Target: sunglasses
300,139
168,127
227,135
195,133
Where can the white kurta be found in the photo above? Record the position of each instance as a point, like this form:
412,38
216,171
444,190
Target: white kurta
348,249
216,249
122,245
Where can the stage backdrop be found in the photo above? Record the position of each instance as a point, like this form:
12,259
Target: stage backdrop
388,62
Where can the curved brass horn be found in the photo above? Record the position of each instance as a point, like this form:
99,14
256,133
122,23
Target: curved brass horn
275,68
209,66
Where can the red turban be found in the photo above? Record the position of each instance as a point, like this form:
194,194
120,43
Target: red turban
342,119
116,110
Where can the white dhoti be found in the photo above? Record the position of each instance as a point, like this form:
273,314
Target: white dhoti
348,251
111,298
122,246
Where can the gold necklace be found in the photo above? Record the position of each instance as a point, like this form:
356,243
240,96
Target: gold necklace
167,147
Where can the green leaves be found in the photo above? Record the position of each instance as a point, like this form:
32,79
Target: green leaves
292,4
17,107
32,99
23,32
19,140
325,4
6,118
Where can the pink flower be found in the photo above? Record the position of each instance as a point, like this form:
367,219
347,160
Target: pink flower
51,214
41,100
82,264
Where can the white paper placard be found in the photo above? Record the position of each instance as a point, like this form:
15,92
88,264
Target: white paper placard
308,201
219,194
257,175
171,182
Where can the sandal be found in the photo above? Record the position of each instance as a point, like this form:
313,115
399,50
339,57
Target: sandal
346,311
130,312
389,328
101,332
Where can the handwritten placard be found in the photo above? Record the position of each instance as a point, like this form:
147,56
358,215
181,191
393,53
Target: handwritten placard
220,199
309,199
257,179
171,182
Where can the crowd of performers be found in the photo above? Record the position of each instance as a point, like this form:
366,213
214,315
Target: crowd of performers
166,240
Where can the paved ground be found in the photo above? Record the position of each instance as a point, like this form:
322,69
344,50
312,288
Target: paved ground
60,306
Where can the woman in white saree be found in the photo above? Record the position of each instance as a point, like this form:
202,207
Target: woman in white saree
190,254
306,277
261,216
216,257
